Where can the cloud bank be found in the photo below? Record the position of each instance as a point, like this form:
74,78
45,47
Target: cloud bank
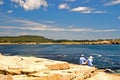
31,4
10,11
1,2
85,10
82,9
113,2
63,6
30,25
26,27
118,17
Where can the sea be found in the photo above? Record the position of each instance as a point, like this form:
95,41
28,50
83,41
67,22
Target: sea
106,56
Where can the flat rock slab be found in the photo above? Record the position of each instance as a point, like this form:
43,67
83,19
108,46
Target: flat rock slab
32,68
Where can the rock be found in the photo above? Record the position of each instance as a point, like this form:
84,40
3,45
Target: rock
32,68
53,75
73,73
101,75
58,65
109,71
6,77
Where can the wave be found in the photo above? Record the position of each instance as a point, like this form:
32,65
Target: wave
114,71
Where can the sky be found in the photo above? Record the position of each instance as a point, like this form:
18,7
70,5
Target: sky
61,19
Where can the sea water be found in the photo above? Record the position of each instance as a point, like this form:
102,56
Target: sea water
105,56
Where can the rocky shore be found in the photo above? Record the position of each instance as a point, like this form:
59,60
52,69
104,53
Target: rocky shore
32,68
66,42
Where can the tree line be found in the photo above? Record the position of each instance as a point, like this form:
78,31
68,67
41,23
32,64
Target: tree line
24,39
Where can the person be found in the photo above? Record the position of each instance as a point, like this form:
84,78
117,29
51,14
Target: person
82,60
90,61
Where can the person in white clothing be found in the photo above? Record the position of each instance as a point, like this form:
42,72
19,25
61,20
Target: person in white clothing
90,61
82,60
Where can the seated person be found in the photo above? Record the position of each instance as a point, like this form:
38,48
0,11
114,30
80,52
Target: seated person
90,61
82,60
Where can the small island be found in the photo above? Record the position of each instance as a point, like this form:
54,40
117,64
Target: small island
30,39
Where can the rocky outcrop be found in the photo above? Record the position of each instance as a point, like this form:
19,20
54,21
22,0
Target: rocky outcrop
32,68
89,42
6,77
101,75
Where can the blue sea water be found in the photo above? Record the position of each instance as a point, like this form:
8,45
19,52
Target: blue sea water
105,56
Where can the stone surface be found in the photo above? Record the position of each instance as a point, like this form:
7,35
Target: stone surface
32,68
104,76
6,77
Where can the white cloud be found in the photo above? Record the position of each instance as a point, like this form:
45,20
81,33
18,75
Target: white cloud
63,6
7,27
113,2
99,12
10,11
15,6
34,26
31,4
1,2
82,9
29,25
26,27
106,30
86,10
89,30
118,17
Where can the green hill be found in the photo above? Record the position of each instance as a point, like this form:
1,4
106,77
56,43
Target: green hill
24,39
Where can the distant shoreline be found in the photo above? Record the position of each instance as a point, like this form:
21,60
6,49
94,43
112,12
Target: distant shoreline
30,39
97,42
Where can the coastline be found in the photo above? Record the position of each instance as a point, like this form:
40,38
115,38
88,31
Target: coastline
96,42
32,39
33,68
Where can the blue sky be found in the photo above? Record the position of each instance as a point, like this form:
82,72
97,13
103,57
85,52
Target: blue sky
61,19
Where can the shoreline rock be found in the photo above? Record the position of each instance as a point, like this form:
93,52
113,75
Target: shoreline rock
67,42
32,68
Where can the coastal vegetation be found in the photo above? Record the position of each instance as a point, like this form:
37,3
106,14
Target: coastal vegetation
31,39
24,39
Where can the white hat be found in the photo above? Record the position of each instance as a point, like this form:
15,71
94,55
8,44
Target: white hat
82,55
90,57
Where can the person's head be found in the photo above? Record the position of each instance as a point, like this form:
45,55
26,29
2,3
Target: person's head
91,57
82,55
